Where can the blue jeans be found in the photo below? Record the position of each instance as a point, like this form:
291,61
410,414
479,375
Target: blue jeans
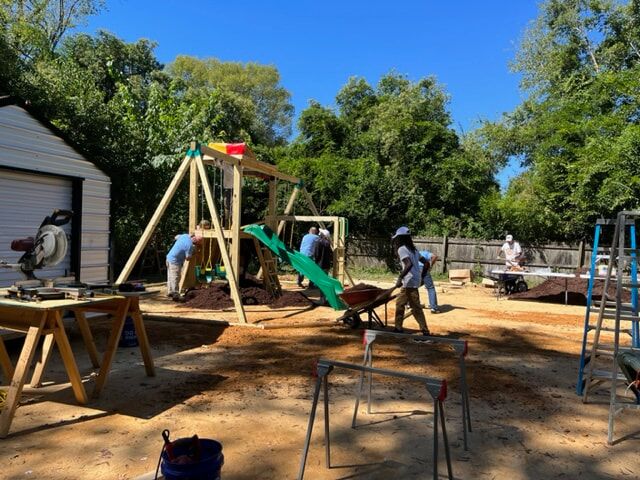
431,291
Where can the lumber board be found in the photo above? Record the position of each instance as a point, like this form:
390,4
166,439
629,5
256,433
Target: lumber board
231,275
155,219
41,363
193,197
287,210
236,214
87,337
5,362
20,374
272,204
247,162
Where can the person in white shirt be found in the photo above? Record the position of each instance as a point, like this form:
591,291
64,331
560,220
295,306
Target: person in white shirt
512,252
408,281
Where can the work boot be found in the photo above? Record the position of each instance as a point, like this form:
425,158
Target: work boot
423,338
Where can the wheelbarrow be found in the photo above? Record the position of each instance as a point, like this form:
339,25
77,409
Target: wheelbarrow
365,301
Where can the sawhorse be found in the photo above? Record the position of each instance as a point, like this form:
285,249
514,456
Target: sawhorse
437,388
460,347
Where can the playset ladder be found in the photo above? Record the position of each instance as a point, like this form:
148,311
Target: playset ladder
269,269
612,313
601,252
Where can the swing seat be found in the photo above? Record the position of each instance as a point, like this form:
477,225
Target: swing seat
221,272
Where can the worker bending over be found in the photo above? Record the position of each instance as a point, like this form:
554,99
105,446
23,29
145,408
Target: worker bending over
183,249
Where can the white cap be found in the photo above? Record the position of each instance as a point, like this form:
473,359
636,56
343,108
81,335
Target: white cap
509,238
402,231
325,233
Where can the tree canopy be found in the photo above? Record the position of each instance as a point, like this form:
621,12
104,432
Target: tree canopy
578,132
385,154
389,153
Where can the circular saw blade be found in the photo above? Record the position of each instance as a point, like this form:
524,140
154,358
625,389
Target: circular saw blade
54,244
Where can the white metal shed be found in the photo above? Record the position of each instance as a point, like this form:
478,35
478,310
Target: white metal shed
39,172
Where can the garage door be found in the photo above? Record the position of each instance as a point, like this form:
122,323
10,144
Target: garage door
25,199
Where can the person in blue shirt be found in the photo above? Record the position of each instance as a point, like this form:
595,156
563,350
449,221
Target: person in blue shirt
428,281
183,248
307,247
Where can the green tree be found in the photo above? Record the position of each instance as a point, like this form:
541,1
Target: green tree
577,133
389,154
34,28
267,102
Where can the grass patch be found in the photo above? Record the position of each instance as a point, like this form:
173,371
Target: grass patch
380,274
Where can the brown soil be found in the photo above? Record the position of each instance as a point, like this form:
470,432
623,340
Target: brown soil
251,389
552,291
361,286
290,299
218,297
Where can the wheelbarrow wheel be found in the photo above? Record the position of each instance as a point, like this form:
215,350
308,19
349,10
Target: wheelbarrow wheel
353,321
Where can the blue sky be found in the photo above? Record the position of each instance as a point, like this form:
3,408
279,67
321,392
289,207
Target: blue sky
317,45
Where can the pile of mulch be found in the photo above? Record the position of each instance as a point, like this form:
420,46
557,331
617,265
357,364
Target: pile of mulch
552,291
290,299
361,286
218,296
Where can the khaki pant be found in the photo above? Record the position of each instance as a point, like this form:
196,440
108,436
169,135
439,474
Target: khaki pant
412,297
173,278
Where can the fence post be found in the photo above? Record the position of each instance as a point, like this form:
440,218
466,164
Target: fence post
445,248
580,254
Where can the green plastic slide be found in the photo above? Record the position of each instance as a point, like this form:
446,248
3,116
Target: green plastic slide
303,264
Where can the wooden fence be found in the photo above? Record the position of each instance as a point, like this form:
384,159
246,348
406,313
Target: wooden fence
469,253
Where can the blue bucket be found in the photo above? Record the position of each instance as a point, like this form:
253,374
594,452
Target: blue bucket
206,467
128,338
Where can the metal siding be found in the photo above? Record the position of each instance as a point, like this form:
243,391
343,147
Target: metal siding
27,144
26,200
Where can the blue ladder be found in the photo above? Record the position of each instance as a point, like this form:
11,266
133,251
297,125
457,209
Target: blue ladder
600,252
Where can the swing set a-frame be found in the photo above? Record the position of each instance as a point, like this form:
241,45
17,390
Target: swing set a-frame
243,162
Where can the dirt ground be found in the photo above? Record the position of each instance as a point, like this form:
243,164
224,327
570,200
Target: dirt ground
251,389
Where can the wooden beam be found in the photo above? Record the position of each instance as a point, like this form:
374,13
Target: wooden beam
20,374
227,234
272,204
312,206
249,163
288,208
155,219
5,362
236,215
306,218
213,211
193,197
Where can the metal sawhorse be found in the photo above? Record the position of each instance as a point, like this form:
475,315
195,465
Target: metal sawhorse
437,388
460,347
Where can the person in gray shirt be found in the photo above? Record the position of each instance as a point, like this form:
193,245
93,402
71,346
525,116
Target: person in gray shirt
408,281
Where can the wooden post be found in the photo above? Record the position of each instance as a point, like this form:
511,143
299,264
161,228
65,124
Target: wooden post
288,208
20,374
236,215
155,219
312,205
213,211
193,197
445,251
580,255
273,202
338,266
